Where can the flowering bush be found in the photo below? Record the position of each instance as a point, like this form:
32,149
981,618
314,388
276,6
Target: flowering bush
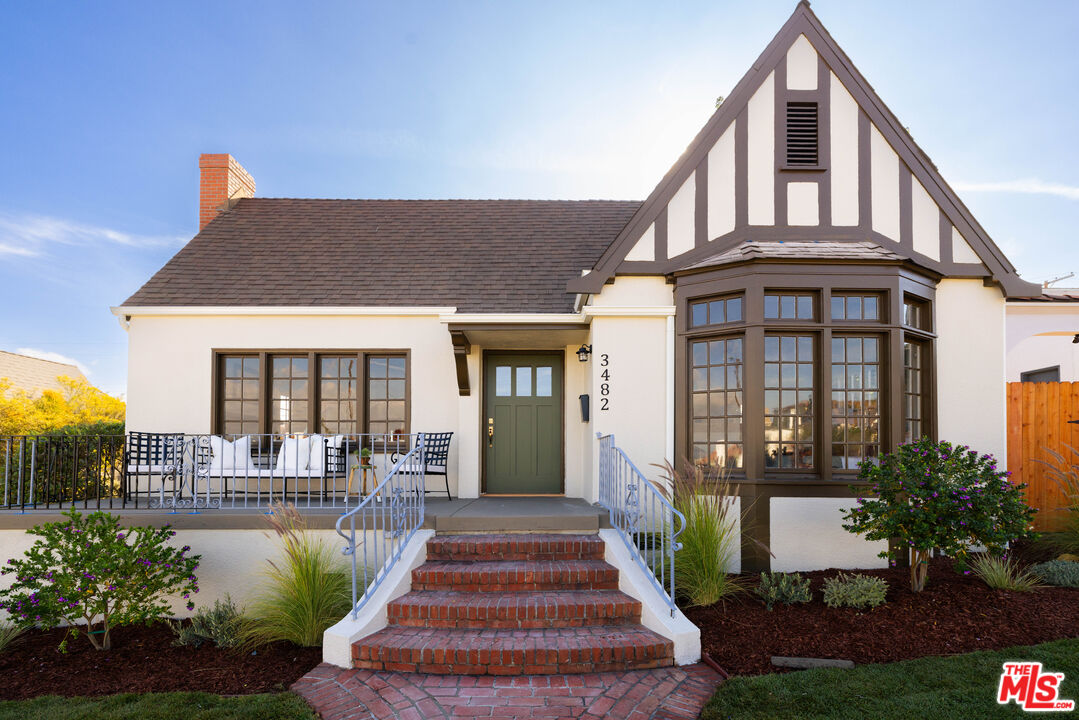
89,569
936,495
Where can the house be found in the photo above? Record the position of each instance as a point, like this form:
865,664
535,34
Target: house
34,375
802,290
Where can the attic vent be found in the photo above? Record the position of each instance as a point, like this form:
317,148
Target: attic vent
802,133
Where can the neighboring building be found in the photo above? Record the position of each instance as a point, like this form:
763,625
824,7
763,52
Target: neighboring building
33,375
801,290
1043,337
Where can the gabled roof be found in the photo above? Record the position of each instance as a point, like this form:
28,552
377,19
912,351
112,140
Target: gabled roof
798,250
804,22
476,255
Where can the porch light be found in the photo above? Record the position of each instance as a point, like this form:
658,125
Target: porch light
1075,341
583,352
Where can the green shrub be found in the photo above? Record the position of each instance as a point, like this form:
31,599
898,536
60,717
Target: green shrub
88,569
786,588
219,625
856,591
9,635
1000,573
702,567
1061,573
936,495
309,589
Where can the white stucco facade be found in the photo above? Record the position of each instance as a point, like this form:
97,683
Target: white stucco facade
1039,336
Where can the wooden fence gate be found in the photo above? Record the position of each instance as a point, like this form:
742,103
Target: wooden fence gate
1039,417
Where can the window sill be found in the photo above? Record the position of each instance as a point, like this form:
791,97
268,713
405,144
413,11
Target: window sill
803,168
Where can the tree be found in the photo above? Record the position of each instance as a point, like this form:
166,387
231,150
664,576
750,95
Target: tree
933,495
77,405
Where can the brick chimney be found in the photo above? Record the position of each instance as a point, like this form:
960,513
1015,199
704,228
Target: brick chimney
223,181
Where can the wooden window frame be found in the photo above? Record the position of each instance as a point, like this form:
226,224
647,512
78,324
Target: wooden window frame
892,282
707,302
725,337
314,379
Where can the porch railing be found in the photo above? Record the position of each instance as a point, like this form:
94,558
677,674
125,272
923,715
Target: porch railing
384,522
174,471
646,521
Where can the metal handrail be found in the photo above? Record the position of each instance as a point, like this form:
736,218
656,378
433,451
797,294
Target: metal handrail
396,511
643,517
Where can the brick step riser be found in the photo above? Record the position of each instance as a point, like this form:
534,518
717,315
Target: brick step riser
441,661
558,669
441,556
559,609
522,586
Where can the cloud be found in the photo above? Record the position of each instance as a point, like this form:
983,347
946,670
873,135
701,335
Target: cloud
1029,186
54,357
26,235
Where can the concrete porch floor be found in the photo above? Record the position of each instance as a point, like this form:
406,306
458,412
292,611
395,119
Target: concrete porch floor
514,514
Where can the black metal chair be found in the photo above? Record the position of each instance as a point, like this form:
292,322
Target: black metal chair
436,457
151,455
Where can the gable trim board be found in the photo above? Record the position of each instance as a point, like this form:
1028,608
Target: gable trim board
874,117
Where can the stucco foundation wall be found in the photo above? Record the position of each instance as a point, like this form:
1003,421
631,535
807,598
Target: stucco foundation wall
170,361
233,561
807,534
970,347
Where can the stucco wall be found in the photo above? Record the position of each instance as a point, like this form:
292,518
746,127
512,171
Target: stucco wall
1029,349
807,534
971,400
233,560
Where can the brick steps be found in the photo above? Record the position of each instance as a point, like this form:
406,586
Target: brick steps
541,609
512,652
513,605
515,576
470,548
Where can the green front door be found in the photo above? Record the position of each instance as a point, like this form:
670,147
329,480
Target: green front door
522,423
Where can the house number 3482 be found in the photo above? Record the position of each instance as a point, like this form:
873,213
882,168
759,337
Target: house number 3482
605,386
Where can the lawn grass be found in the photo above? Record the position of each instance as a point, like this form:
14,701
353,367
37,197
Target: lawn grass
159,706
944,688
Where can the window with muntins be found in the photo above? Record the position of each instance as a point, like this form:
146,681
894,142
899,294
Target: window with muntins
716,404
716,311
305,392
811,382
789,369
855,401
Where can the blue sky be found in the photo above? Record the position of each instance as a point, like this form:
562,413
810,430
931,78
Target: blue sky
105,107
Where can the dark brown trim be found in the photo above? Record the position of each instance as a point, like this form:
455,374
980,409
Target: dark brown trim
484,360
780,95
461,351
906,211
700,206
865,173
314,408
946,255
660,235
741,172
824,141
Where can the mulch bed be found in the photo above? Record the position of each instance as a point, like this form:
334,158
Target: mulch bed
143,659
955,614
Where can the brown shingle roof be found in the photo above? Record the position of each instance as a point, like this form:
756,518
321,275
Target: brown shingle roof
799,250
476,255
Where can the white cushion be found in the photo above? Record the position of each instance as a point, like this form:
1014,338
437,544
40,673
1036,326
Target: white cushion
163,469
414,467
316,453
227,457
293,457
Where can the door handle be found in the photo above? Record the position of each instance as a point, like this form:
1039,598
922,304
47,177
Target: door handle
490,431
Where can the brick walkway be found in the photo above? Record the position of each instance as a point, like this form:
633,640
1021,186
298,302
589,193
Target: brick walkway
670,693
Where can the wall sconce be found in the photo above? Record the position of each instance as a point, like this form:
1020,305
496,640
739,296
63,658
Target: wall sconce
583,352
1075,341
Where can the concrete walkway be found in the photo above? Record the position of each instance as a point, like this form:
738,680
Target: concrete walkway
513,514
672,693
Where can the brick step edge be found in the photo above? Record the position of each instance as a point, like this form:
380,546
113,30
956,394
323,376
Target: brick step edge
515,547
526,610
514,576
537,652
